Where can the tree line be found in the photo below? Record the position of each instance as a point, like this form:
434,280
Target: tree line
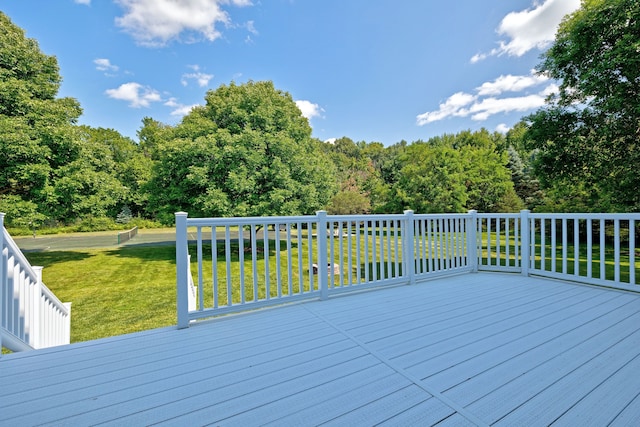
248,151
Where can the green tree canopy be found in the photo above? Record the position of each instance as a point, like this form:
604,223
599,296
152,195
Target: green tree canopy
37,132
431,180
587,135
247,152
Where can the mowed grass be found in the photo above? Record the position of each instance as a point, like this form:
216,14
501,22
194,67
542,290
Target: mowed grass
112,291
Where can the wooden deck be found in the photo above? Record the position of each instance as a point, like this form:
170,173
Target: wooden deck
474,349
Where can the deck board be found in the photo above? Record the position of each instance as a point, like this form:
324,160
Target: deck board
472,349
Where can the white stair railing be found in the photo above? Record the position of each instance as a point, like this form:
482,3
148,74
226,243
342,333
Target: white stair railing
31,316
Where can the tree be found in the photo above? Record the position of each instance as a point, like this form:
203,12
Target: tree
124,160
37,132
587,135
431,180
247,152
487,179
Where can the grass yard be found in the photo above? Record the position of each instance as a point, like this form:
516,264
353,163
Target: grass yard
113,291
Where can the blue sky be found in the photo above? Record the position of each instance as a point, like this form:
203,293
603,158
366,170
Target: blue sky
372,70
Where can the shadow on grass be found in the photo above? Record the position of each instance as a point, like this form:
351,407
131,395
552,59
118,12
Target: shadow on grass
48,258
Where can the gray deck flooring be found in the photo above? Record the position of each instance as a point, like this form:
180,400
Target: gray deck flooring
473,349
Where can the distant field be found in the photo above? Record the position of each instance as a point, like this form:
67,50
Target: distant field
95,240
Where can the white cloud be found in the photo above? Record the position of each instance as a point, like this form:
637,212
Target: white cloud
200,77
309,109
453,106
178,108
533,28
103,64
156,22
135,94
330,141
510,83
490,106
503,128
486,101
87,2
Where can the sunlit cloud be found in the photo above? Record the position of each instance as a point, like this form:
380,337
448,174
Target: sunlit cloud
486,100
533,28
179,109
510,83
309,109
156,22
103,64
135,94
201,78
503,128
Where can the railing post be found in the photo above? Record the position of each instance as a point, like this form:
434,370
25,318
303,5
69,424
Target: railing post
182,270
525,242
472,240
323,263
3,277
409,260
35,332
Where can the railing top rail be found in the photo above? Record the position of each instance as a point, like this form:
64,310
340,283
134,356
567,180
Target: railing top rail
499,215
574,215
15,251
365,217
442,215
207,222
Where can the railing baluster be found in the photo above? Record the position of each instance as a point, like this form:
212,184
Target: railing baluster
366,251
227,254
616,249
498,242
349,271
358,257
589,248
632,252
241,262
564,246
554,246
214,267
543,239
266,248
199,257
374,252
312,285
396,256
602,247
389,255
341,255
276,228
254,262
300,270
576,247
430,245
289,261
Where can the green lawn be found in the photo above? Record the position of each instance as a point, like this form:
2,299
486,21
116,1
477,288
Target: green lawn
114,291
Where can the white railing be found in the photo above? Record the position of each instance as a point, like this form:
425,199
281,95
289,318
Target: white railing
598,249
31,316
245,263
